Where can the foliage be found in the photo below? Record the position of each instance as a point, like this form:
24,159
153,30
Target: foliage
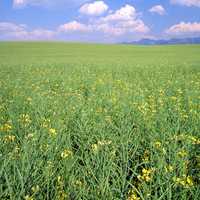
99,121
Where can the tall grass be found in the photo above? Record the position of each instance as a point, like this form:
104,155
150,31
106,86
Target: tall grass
99,122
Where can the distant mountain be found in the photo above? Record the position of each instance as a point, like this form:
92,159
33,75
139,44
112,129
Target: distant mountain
166,42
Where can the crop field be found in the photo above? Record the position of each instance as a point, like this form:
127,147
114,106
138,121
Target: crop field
99,122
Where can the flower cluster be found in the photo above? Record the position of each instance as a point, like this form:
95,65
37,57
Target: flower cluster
146,175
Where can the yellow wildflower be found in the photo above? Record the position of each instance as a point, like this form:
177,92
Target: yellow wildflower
146,175
66,153
35,189
108,119
194,140
62,195
132,195
29,99
6,127
185,181
78,183
9,138
25,119
182,153
46,123
29,136
27,197
174,98
104,142
94,147
44,147
189,181
146,156
169,168
157,144
52,132
60,180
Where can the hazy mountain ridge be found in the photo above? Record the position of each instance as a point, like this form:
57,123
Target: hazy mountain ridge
166,42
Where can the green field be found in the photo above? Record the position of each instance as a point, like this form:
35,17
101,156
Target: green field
99,122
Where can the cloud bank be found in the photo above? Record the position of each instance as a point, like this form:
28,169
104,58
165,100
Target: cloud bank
184,29
47,3
124,22
20,32
96,21
186,2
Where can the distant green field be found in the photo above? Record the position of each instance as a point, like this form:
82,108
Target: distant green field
99,122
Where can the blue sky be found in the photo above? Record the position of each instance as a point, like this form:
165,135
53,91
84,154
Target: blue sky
98,21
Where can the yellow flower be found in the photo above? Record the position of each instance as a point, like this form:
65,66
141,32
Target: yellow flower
29,136
46,123
78,183
62,195
52,132
25,119
35,189
174,98
194,140
94,147
169,168
108,119
27,197
9,138
146,156
60,180
146,171
157,144
146,175
185,181
29,99
66,153
99,110
189,181
44,147
104,142
132,195
182,153
6,127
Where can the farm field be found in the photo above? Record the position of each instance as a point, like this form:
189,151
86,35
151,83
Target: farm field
92,122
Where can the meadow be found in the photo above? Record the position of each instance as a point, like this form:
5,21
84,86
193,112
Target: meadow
91,122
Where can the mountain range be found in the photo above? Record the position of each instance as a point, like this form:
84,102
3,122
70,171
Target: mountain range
166,42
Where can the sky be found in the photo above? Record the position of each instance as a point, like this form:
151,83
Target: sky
102,21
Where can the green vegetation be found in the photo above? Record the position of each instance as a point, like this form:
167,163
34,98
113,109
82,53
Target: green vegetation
80,121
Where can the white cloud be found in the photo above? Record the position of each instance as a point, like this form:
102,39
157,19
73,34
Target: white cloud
96,8
125,13
10,27
23,3
122,24
187,2
157,9
40,34
184,29
74,26
48,3
20,32
19,3
122,21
